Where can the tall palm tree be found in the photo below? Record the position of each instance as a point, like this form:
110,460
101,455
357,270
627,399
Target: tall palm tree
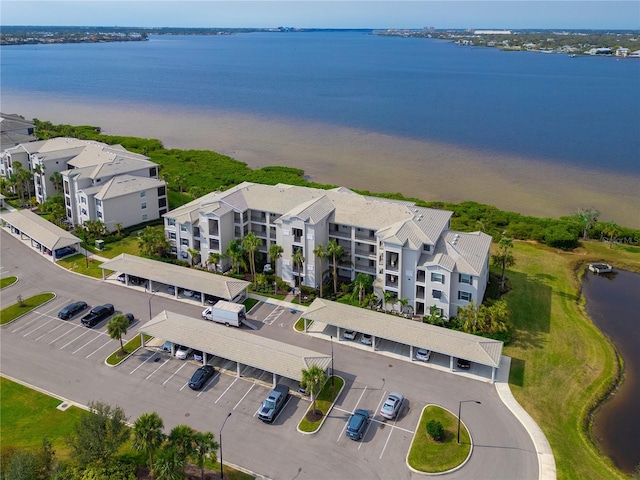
611,229
235,254
335,251
361,284
275,253
320,254
147,435
193,253
298,261
504,258
117,328
204,446
250,244
313,378
56,179
214,258
181,437
170,464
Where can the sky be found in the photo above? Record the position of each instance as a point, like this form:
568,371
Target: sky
494,14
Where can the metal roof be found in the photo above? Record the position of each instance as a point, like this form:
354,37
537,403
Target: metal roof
189,278
476,349
235,344
40,230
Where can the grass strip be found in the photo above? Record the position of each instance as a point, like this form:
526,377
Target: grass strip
7,281
84,266
20,308
299,326
324,402
427,455
131,346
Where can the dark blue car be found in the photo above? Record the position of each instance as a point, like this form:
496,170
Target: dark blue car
358,422
63,252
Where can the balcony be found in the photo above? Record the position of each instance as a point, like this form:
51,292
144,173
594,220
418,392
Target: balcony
365,268
391,281
365,252
259,232
367,236
421,277
259,217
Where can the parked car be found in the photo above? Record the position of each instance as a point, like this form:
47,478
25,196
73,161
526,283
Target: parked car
358,422
200,377
171,290
130,317
97,314
302,389
71,309
166,346
392,405
273,404
122,278
183,352
64,251
366,339
349,335
423,354
465,364
197,355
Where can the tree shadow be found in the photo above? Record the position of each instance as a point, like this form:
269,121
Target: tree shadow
516,373
530,304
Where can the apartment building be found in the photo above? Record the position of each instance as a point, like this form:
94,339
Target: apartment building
98,181
409,251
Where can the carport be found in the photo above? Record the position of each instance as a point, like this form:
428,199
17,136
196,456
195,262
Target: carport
230,289
454,344
234,344
44,235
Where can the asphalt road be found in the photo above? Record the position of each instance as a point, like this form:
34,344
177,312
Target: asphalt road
67,359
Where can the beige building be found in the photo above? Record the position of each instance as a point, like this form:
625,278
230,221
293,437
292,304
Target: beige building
409,251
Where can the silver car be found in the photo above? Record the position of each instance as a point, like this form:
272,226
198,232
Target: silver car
423,354
392,405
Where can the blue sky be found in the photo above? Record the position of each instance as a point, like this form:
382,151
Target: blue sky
508,14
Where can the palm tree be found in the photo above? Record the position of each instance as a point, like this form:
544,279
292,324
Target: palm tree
193,253
361,284
504,258
387,298
313,378
118,227
214,258
611,229
56,179
298,261
147,435
181,437
275,252
235,254
170,464
204,445
117,328
320,254
180,180
403,304
250,244
372,300
335,251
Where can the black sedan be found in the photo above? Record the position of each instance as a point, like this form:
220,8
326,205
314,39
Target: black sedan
71,309
462,363
200,377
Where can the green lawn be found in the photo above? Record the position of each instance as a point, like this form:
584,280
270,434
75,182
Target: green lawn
7,281
78,263
128,245
561,363
325,400
27,416
129,347
14,311
427,455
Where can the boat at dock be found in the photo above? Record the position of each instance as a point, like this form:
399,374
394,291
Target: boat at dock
600,268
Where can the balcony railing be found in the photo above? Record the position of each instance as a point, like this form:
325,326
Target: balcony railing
339,233
260,218
364,252
365,268
367,237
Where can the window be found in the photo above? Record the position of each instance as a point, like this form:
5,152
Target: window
426,247
436,293
99,214
174,250
143,193
466,296
144,217
437,277
143,205
183,227
153,172
171,222
83,200
184,241
98,202
162,211
162,191
84,212
464,278
162,202
172,235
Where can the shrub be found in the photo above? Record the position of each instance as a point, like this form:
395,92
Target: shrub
560,237
435,430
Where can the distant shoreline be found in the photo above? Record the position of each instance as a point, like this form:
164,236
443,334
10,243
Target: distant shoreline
360,159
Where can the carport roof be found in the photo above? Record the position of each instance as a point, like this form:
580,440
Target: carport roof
196,280
476,349
40,230
235,344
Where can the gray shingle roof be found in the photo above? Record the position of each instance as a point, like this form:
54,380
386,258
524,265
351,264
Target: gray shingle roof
196,280
470,251
39,229
476,349
126,184
235,344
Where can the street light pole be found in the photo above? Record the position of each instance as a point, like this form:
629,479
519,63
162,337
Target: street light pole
150,297
220,437
332,360
459,412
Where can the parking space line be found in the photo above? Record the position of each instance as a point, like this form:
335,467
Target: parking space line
162,365
39,315
239,401
50,331
354,409
174,374
150,357
92,340
384,395
374,420
227,389
58,338
69,343
38,327
385,443
99,348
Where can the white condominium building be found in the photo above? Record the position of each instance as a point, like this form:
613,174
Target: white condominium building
409,251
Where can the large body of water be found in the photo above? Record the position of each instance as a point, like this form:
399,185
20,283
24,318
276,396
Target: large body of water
612,303
541,134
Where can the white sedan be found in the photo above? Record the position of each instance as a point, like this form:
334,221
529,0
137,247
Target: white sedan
183,352
349,335
423,354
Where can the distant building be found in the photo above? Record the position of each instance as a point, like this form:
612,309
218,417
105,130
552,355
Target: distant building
409,251
622,52
492,32
14,130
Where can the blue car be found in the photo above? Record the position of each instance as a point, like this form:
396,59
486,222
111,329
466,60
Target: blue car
358,422
64,251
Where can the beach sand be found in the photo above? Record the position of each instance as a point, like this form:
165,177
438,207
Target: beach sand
359,159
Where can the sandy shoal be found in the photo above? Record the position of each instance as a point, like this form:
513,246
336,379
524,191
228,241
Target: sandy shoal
359,159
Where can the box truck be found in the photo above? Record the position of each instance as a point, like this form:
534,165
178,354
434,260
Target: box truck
228,313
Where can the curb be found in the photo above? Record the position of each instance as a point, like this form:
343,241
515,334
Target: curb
446,471
27,313
8,286
324,417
